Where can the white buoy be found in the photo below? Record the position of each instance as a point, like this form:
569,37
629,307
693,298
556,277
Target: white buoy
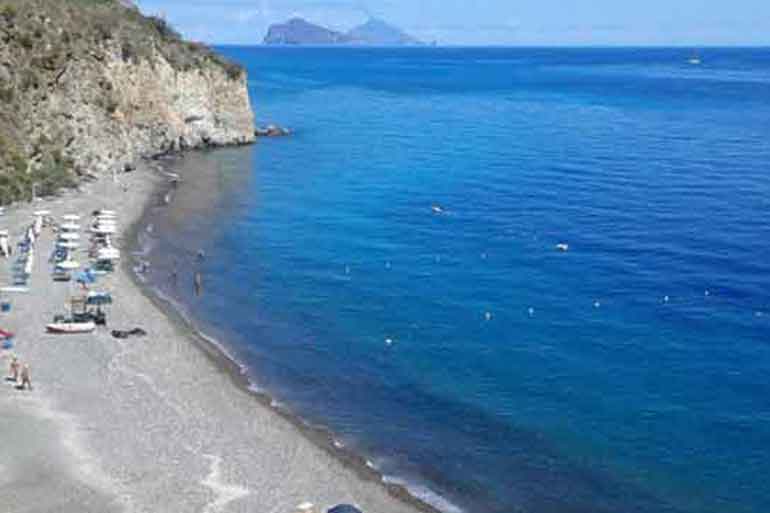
597,304
488,316
531,311
562,247
665,299
707,293
389,341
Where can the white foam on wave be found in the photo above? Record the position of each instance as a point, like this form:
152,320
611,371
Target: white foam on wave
424,494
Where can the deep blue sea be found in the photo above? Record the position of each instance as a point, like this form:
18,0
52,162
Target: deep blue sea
456,347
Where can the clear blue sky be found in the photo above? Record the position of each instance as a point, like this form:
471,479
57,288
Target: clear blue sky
501,22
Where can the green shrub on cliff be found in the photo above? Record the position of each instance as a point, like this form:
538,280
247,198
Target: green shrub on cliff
39,42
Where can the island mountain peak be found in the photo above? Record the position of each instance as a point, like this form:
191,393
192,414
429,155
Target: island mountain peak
375,31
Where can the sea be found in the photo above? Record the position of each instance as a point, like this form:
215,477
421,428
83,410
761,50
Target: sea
512,279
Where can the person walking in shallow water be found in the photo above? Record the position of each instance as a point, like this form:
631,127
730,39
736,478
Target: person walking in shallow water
198,283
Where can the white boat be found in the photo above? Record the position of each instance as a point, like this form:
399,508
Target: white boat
11,290
70,327
694,60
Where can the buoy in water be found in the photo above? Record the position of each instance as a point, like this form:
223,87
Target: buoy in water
562,247
389,341
665,299
597,304
488,316
531,311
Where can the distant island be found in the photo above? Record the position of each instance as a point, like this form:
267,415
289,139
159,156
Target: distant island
374,32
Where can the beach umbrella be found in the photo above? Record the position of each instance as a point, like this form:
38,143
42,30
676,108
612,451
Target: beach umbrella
99,299
344,508
69,236
70,227
104,230
108,254
85,277
67,244
71,217
68,265
7,339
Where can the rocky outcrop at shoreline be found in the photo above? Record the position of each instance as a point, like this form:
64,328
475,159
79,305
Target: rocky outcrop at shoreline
87,87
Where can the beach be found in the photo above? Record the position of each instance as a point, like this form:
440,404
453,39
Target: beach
162,422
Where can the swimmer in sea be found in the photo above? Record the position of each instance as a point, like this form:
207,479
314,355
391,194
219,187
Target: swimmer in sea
198,283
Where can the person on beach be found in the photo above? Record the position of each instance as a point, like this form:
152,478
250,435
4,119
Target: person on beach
174,274
26,382
198,283
14,369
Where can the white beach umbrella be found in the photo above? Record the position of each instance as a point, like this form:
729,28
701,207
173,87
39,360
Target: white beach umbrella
71,217
104,230
41,213
69,236
108,254
70,227
68,265
67,244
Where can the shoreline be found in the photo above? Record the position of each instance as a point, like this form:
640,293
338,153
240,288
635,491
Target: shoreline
167,422
227,363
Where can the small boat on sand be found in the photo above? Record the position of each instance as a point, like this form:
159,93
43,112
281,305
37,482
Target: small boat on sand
68,326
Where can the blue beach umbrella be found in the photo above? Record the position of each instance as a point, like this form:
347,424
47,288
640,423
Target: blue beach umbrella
85,277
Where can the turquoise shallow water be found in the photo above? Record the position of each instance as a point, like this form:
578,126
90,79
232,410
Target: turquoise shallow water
460,351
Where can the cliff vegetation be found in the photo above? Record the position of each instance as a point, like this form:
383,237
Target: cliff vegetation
88,86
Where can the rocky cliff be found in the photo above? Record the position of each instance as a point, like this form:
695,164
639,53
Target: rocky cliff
88,86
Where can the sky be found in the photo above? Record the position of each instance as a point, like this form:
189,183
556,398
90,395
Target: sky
488,22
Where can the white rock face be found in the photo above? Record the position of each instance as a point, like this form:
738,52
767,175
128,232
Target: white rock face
115,111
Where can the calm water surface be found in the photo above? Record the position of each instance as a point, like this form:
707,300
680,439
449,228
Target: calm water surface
460,351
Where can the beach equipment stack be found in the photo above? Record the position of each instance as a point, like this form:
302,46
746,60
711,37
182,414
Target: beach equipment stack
67,243
103,226
5,247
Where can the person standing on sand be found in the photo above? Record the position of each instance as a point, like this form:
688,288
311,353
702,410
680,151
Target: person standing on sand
14,369
26,382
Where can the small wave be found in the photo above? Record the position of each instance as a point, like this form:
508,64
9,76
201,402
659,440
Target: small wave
424,494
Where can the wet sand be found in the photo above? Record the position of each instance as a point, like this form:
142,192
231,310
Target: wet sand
157,423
